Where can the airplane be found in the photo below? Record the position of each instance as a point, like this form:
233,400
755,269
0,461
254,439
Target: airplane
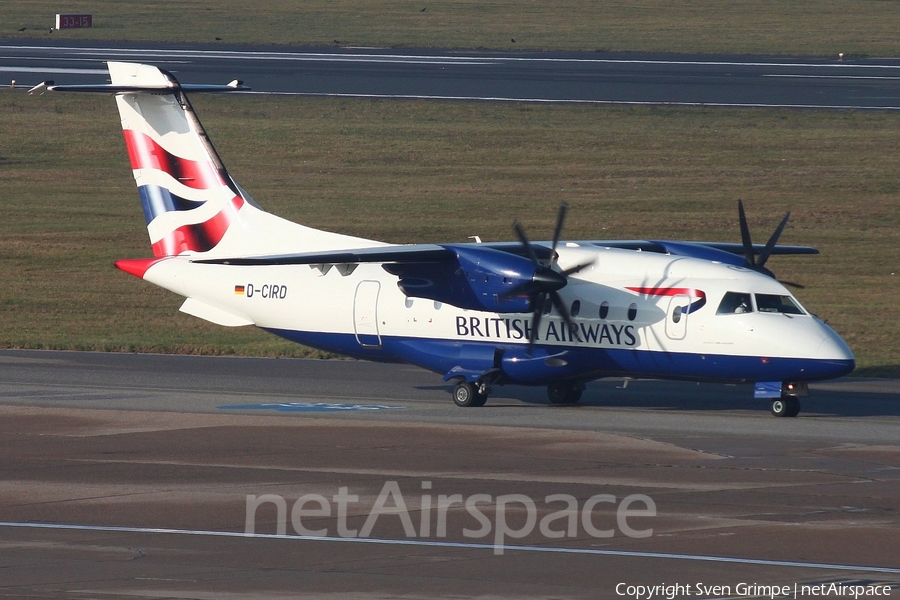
481,314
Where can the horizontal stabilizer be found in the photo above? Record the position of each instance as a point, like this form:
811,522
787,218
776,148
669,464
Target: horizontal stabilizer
150,89
136,78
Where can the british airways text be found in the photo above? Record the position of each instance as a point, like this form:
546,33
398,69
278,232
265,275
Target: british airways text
520,329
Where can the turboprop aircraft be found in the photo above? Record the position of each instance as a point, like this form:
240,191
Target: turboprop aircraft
555,314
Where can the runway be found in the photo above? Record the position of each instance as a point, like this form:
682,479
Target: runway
129,476
598,78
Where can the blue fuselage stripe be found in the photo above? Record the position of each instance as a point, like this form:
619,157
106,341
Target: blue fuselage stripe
571,362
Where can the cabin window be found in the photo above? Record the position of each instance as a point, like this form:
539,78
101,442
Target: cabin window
774,303
632,312
604,309
576,308
676,314
735,303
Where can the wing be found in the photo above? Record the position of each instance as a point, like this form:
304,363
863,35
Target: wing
484,277
405,254
470,276
730,253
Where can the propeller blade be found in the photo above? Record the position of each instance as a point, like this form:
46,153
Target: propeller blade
767,251
564,313
745,236
577,268
524,239
546,281
792,284
758,263
560,219
536,320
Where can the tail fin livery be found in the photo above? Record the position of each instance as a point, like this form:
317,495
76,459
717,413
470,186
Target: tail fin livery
189,200
191,204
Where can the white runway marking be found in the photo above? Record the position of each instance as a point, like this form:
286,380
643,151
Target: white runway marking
463,545
59,70
574,101
834,77
473,58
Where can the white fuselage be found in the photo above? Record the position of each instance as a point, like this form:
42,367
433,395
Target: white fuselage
624,304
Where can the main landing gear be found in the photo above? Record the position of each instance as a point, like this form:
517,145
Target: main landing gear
475,393
786,406
565,393
468,393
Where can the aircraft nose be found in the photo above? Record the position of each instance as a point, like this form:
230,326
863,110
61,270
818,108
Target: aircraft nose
832,346
837,353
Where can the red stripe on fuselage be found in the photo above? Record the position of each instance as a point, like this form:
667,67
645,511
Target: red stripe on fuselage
696,305
654,291
147,154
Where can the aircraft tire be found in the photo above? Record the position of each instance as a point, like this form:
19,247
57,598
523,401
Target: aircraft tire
564,393
794,405
787,406
466,395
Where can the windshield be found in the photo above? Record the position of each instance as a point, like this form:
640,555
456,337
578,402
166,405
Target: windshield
735,303
772,303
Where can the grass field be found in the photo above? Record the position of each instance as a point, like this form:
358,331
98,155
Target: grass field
798,27
440,171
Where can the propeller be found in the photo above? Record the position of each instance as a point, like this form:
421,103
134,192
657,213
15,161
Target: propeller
758,263
546,282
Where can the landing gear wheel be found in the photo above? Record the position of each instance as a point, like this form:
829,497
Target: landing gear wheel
564,393
793,406
788,406
466,394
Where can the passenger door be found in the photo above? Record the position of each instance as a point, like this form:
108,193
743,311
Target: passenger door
677,317
365,314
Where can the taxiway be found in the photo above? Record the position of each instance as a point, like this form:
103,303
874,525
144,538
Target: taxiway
129,476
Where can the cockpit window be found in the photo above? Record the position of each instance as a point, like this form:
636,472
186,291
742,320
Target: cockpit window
772,303
735,303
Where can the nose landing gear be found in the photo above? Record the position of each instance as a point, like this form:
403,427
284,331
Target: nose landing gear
786,406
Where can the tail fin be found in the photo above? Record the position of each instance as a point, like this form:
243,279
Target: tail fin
189,200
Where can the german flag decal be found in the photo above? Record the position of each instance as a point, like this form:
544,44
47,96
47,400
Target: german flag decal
239,290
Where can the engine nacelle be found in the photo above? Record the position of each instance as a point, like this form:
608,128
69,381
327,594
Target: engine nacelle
477,280
702,251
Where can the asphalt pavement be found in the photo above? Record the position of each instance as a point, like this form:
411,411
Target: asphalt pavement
587,77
